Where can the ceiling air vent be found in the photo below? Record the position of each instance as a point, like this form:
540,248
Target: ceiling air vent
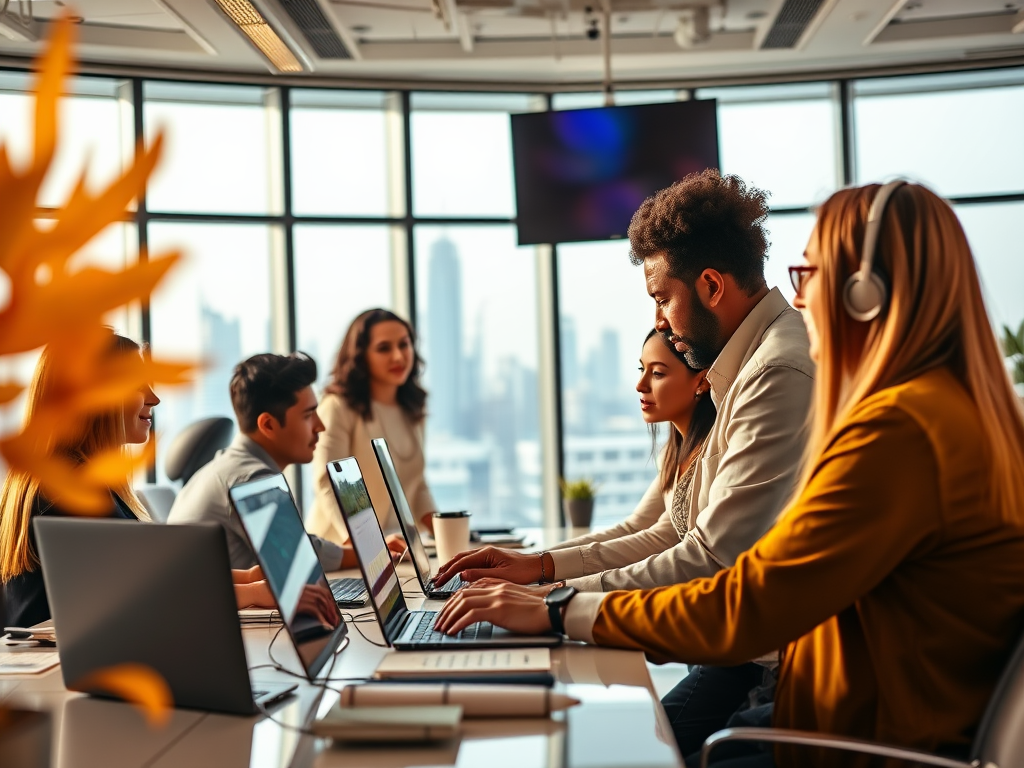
315,27
790,23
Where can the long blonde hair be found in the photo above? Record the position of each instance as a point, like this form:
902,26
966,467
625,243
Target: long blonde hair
102,431
935,316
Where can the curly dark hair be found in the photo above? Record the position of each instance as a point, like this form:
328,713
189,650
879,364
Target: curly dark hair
269,383
350,377
705,221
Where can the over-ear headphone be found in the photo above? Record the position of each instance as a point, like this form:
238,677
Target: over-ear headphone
865,294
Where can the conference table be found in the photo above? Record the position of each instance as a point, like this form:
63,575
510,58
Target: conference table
619,721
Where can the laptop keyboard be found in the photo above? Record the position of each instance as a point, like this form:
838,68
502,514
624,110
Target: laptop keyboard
453,584
425,632
348,590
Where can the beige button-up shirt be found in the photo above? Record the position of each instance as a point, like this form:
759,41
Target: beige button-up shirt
761,384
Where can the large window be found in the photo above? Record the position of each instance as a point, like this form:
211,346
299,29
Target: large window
477,313
340,271
462,153
222,151
354,236
214,308
95,133
605,313
781,138
960,133
346,152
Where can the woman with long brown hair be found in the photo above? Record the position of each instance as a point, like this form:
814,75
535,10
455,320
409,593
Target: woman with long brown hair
892,582
21,498
374,391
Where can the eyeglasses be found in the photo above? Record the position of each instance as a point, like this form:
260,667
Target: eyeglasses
798,276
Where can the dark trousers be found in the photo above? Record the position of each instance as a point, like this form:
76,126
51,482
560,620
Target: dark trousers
704,700
747,754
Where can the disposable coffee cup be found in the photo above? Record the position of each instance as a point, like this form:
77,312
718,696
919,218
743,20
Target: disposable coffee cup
451,534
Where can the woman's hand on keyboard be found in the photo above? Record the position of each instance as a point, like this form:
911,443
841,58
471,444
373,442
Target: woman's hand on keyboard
511,606
494,563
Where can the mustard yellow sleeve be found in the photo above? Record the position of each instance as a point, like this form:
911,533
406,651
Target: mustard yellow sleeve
872,499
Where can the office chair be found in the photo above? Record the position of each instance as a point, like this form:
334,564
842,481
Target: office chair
999,742
192,448
196,445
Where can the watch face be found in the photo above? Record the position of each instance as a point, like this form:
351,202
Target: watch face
560,596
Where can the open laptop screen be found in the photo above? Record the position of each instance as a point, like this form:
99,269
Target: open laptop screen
293,571
405,516
368,540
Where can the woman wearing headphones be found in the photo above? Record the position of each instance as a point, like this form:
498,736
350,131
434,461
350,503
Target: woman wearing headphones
893,580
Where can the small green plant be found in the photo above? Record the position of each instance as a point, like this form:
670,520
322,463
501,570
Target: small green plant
578,489
1013,348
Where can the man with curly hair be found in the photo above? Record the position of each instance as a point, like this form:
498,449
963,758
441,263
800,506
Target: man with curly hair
702,244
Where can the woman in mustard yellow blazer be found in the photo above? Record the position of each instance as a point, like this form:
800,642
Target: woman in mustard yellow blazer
894,582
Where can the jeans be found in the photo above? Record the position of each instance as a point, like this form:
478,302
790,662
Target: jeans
746,754
704,700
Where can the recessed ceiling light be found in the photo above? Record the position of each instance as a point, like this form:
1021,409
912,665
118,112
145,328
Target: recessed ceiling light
244,15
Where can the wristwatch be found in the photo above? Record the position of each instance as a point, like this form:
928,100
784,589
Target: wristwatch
556,600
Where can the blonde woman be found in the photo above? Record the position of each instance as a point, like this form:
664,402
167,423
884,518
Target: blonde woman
892,582
21,499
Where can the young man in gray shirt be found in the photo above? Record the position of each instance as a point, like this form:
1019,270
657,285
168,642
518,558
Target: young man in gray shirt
275,407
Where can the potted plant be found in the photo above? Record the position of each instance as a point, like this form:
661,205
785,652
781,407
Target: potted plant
1013,348
578,501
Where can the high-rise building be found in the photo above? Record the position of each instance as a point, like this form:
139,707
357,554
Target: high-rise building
444,337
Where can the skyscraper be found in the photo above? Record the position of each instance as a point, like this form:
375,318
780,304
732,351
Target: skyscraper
444,336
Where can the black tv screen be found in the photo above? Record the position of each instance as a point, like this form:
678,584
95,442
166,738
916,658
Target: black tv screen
582,173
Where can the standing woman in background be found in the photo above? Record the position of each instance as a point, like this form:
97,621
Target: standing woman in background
374,392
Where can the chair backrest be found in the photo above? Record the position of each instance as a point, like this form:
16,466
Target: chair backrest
196,445
1000,738
157,499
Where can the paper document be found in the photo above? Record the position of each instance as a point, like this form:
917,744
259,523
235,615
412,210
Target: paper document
27,662
501,660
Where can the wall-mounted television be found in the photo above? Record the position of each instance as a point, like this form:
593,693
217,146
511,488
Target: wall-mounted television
580,174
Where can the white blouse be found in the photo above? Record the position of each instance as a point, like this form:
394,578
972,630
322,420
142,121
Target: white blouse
347,434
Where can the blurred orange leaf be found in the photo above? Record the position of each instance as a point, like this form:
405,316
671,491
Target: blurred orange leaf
9,391
136,683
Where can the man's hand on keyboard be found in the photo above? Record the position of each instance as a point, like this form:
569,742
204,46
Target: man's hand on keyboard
396,546
514,607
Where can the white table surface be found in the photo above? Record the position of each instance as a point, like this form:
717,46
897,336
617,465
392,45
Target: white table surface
619,722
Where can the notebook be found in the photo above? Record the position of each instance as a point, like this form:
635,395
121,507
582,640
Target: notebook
435,664
402,629
296,579
121,592
420,559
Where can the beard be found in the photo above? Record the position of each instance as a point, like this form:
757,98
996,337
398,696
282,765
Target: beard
702,336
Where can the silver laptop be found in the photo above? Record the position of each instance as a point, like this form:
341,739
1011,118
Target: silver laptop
420,559
124,592
289,562
403,629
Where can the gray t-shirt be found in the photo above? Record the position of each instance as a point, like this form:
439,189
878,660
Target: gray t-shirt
205,499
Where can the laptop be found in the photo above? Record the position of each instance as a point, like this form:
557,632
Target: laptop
420,559
296,578
403,629
124,592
